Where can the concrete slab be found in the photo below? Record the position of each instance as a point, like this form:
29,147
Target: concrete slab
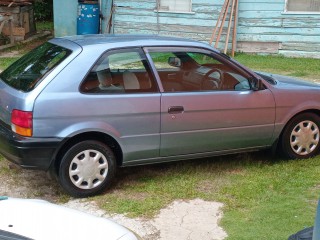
184,220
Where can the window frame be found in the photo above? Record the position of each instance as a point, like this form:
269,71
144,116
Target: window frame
205,51
154,87
286,11
159,10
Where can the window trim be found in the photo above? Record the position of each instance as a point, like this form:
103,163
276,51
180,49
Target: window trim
158,9
209,52
287,12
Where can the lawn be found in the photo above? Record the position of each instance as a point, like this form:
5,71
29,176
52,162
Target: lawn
306,68
265,197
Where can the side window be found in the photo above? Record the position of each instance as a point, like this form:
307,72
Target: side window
175,5
122,71
183,71
305,6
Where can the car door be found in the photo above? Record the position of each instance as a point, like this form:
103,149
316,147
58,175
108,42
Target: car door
207,104
122,96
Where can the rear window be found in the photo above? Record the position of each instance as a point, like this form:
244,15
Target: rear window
27,72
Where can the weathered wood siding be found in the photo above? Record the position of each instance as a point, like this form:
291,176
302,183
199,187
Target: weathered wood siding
262,25
65,17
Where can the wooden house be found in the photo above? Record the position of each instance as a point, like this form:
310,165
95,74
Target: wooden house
288,27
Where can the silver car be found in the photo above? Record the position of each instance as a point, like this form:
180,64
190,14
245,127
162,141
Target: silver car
82,106
27,219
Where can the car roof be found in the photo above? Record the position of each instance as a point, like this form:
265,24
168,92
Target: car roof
132,40
50,218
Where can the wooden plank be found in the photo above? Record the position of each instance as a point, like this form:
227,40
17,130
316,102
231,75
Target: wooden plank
266,6
229,26
163,20
259,14
258,47
261,1
151,12
216,2
136,4
301,22
235,25
219,23
254,22
276,38
16,31
300,54
301,46
165,27
279,31
26,22
124,1
11,9
198,37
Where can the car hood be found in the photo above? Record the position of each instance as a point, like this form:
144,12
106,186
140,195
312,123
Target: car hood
290,81
38,219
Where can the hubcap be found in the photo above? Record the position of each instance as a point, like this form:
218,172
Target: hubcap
304,137
88,169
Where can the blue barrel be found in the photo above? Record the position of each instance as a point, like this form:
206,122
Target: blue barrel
88,18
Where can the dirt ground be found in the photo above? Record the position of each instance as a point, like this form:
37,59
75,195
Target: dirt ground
183,220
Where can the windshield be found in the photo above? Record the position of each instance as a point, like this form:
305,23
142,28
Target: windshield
26,73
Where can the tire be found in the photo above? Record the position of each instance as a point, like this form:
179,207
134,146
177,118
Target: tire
87,169
300,138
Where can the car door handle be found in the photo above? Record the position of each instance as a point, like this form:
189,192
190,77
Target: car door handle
175,109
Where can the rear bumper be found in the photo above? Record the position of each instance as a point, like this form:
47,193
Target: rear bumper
35,153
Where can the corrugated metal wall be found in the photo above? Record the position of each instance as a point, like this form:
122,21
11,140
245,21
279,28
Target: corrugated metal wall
263,26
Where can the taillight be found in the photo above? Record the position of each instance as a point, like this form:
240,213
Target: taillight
21,122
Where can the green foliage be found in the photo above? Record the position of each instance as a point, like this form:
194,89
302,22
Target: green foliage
307,68
44,26
5,62
43,10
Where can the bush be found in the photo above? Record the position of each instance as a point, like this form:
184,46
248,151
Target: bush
43,10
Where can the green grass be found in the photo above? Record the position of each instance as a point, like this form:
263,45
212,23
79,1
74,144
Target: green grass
6,61
297,67
264,198
44,26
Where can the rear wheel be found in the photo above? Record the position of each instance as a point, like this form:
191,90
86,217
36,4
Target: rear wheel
300,138
87,168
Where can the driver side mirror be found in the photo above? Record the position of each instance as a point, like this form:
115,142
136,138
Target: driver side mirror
174,62
257,84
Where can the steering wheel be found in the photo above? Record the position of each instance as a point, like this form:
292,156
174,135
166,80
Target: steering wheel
211,83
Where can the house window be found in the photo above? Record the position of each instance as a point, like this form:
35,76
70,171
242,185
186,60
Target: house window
175,5
303,6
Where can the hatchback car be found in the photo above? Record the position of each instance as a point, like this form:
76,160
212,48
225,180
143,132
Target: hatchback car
27,219
82,106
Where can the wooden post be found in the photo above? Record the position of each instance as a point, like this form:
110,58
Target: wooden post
11,30
222,24
229,27
218,22
233,19
235,24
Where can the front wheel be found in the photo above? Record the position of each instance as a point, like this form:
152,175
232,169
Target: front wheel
300,138
87,168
